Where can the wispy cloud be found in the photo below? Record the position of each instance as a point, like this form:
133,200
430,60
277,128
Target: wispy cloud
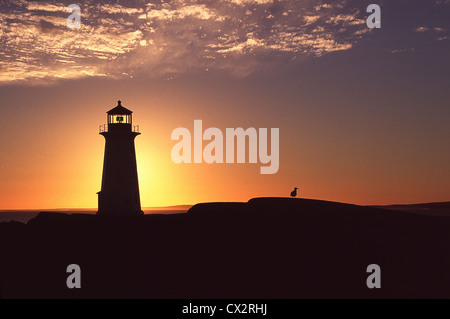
422,29
397,51
439,33
171,37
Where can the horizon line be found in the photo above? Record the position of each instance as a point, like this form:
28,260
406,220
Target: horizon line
191,205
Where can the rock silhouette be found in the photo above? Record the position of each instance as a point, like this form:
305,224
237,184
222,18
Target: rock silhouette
265,248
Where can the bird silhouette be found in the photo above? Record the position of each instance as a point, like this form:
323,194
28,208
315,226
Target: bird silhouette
294,192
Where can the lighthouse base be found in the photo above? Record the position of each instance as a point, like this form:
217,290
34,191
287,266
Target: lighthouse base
119,213
118,205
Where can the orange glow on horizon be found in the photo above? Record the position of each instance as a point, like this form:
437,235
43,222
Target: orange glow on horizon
66,166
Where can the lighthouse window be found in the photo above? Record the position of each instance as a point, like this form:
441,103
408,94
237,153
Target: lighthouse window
126,119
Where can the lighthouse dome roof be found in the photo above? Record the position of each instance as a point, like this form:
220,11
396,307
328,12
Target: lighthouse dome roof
119,109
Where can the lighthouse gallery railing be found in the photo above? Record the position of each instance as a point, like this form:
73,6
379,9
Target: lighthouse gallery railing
104,128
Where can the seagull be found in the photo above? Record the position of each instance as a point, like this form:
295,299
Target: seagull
294,192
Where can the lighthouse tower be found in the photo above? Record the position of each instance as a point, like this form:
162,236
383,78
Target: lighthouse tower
120,187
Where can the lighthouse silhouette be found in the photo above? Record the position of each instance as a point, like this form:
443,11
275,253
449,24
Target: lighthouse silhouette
120,187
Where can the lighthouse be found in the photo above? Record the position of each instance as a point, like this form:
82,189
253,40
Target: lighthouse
120,187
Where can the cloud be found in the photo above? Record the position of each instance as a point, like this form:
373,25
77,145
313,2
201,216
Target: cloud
246,2
422,29
118,9
47,7
195,11
238,36
437,31
398,51
442,38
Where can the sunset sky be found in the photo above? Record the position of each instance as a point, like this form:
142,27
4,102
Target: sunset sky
363,114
